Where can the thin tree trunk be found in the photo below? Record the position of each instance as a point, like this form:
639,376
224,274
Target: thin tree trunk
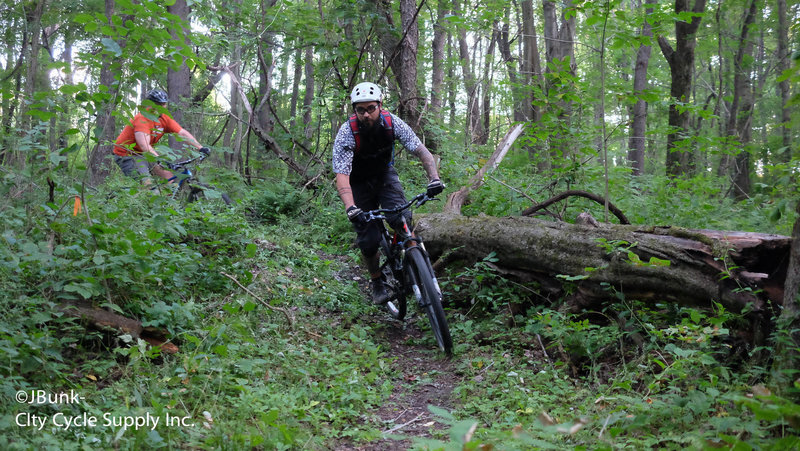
517,95
308,96
266,64
234,127
179,82
560,51
487,85
32,76
296,79
100,156
470,83
437,75
402,57
783,86
636,141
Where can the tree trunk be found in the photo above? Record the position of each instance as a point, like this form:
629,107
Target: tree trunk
681,64
266,64
664,264
788,327
100,156
783,86
294,100
739,118
402,57
308,96
560,52
437,71
32,77
179,82
232,138
636,142
470,83
517,93
487,85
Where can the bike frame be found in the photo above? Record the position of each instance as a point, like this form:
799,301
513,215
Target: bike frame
410,268
185,174
401,241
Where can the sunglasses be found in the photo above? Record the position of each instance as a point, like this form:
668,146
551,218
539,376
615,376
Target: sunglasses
368,110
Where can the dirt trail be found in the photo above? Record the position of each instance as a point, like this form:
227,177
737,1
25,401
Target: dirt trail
423,376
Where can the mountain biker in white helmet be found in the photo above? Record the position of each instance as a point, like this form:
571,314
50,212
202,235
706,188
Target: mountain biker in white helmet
141,135
363,161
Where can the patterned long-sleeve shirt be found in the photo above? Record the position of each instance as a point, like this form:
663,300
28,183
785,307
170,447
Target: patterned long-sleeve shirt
344,144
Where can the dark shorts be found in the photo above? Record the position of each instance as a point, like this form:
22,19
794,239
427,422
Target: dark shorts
382,191
133,166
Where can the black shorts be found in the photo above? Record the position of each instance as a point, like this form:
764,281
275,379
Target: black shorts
381,191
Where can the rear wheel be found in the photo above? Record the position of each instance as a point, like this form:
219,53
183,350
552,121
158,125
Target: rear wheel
429,297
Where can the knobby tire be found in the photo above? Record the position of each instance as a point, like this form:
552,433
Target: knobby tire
197,192
422,272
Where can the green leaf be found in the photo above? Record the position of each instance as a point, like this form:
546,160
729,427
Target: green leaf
111,46
83,18
251,250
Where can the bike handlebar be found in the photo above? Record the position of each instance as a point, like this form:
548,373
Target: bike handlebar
380,213
180,164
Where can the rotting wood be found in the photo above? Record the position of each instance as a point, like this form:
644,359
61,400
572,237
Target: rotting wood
102,319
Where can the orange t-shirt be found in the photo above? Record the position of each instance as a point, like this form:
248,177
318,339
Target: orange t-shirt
126,141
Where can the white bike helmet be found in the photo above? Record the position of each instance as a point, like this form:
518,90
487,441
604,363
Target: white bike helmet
366,92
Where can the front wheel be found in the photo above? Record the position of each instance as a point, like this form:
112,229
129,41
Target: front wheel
197,192
429,297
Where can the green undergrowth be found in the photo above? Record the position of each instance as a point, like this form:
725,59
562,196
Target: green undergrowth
529,372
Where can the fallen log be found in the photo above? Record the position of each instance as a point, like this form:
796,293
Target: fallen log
104,320
740,270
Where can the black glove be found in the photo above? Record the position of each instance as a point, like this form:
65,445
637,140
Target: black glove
356,215
205,150
435,187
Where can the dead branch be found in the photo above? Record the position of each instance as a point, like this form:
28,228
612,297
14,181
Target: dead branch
578,193
456,200
265,303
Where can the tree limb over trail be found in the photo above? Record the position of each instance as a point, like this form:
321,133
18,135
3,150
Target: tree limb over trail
691,267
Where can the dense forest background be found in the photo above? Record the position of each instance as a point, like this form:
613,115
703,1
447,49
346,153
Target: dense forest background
679,113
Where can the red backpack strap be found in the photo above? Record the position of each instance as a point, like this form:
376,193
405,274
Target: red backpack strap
388,126
354,130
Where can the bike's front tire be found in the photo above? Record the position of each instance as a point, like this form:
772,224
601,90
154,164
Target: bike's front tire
429,296
197,192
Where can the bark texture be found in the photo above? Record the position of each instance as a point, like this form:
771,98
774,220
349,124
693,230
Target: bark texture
636,141
736,269
681,65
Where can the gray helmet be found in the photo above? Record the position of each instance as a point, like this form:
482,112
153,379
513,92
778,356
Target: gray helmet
366,92
157,96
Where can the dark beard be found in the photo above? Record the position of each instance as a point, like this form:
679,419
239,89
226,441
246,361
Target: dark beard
371,136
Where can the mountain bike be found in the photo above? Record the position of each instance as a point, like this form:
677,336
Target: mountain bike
407,269
187,184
